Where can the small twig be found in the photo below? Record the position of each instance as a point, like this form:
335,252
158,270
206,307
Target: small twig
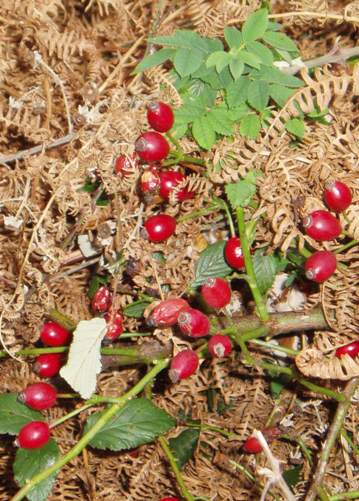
331,439
316,15
340,56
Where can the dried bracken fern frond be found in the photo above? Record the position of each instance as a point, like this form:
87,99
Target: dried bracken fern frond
313,362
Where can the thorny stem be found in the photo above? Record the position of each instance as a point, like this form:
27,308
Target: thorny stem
100,423
334,430
275,347
252,280
171,459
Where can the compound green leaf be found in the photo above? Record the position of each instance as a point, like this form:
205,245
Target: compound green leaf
233,37
255,26
280,41
280,94
14,415
236,67
138,422
266,269
258,94
250,126
239,194
203,132
296,127
30,462
249,58
265,55
182,39
211,264
154,59
237,92
220,121
135,309
187,61
270,74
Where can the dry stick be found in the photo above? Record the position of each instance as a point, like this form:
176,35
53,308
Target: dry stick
317,15
339,56
331,439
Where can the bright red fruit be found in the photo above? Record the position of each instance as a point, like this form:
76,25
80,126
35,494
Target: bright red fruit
160,116
183,365
39,396
220,346
233,253
33,435
322,225
160,227
115,325
320,266
193,322
124,165
150,180
48,364
216,292
169,179
169,499
351,349
101,300
53,334
252,446
337,196
152,147
165,313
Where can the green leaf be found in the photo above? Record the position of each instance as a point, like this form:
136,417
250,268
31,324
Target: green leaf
138,422
186,61
182,39
184,445
236,92
14,415
280,41
249,58
277,384
296,127
258,94
220,121
292,476
30,462
154,59
233,37
89,186
250,126
266,269
280,94
211,264
225,77
238,112
135,309
239,194
265,55
219,59
203,133
271,74
255,26
236,67
95,283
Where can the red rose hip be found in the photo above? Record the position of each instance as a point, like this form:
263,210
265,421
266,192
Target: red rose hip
53,334
322,225
320,266
252,446
169,499
165,313
124,166
48,364
101,300
150,181
233,253
183,365
216,292
160,116
351,349
220,346
160,227
33,435
337,196
169,179
114,325
39,396
152,147
193,322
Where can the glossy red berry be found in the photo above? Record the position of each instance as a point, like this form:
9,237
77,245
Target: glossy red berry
233,253
152,147
160,227
169,179
124,165
53,334
165,313
169,499
322,225
160,116
39,396
48,364
351,349
193,322
150,180
183,365
337,196
114,325
216,292
101,300
320,266
220,346
252,446
33,435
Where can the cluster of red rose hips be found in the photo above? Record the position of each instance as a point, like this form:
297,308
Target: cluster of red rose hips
322,225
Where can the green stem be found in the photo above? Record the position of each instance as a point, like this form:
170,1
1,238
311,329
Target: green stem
275,347
347,437
244,470
85,439
261,331
229,218
196,213
34,352
175,142
305,450
342,496
71,414
191,160
252,280
347,246
172,461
